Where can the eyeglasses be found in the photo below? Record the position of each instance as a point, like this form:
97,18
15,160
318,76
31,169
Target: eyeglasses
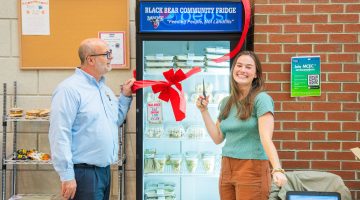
108,54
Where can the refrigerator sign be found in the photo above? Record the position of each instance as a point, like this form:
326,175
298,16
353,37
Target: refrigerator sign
190,17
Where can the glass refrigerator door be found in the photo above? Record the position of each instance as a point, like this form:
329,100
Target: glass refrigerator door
180,160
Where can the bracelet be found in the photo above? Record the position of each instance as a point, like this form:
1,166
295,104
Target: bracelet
278,170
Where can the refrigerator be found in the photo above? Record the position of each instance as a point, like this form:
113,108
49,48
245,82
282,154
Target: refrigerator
177,159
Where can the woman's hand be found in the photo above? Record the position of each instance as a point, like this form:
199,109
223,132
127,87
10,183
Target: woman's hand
279,179
202,103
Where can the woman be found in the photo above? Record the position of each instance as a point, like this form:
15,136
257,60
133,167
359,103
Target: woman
246,121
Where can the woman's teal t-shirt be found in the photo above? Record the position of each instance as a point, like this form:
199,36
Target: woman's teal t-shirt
242,138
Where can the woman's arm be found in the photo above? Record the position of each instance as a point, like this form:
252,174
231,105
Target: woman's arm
266,128
212,128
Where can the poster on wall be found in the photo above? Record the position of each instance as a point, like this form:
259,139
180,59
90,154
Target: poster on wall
35,17
116,42
305,76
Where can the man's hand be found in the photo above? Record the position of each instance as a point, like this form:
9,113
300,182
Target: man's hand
126,87
68,189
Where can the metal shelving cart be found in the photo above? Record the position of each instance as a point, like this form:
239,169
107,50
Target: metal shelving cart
8,160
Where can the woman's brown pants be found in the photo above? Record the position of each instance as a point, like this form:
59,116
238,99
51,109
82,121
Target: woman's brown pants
244,179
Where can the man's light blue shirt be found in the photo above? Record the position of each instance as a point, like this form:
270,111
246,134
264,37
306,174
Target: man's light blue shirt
84,121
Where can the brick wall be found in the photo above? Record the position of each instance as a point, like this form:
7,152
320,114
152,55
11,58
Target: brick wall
314,133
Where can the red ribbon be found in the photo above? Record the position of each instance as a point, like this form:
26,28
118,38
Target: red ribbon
247,10
167,92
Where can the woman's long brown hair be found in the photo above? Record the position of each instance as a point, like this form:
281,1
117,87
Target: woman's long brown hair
246,104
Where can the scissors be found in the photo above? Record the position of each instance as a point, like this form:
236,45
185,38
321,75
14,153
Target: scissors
204,91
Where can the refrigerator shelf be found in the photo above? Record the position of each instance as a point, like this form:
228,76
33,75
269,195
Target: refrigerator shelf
36,196
182,139
205,71
200,171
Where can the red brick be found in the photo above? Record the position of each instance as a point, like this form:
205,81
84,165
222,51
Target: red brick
340,155
328,48
296,126
311,136
280,58
326,126
286,155
348,165
352,8
281,96
329,28
354,87
332,67
295,165
341,116
342,57
313,18
260,38
283,135
296,106
261,19
342,77
345,175
349,145
285,116
342,97
282,38
268,28
331,87
296,8
282,19
352,67
313,38
325,165
297,48
331,8
283,1
353,185
310,155
351,47
343,38
350,136
325,146
316,98
269,48
310,116
269,9
314,1
351,126
273,86
326,106
345,18
345,1
298,28
352,28
278,76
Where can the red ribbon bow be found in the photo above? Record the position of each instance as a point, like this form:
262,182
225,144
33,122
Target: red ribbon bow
167,92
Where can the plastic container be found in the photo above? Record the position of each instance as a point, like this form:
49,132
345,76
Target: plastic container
195,132
191,159
175,130
208,162
175,160
159,162
154,131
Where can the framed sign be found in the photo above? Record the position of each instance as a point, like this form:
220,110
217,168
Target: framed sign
116,42
305,76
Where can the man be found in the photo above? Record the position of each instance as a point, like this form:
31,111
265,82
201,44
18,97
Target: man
84,121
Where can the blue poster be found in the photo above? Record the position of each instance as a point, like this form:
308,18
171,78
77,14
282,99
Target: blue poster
191,17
